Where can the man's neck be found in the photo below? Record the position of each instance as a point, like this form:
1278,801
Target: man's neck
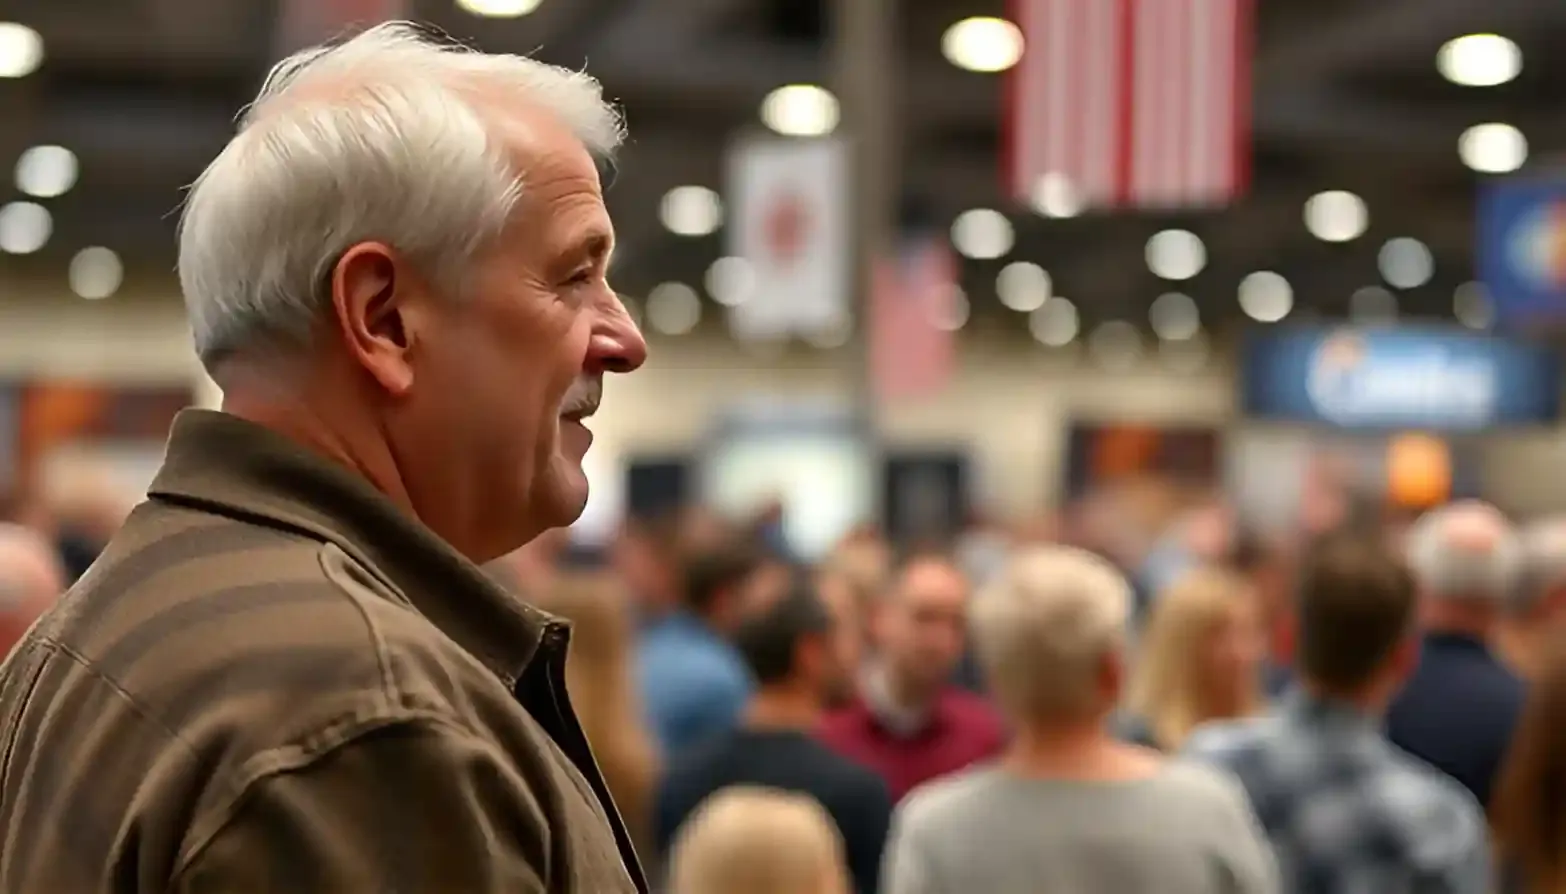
783,707
250,397
1370,700
1083,750
1472,619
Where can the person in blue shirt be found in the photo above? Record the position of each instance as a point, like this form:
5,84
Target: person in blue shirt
694,684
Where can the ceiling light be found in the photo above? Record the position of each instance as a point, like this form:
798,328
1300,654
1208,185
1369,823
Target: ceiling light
46,171
1472,306
982,44
1479,60
96,273
1493,148
1176,254
691,211
982,234
951,313
1056,323
499,9
1115,344
24,227
1023,286
1336,216
1054,195
1372,304
1266,297
730,281
1174,317
800,110
673,308
21,50
1405,263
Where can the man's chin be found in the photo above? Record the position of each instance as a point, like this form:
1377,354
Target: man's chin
565,495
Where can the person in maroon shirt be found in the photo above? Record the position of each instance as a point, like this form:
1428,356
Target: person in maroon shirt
909,722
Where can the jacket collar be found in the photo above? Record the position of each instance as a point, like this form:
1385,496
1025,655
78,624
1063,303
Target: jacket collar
230,466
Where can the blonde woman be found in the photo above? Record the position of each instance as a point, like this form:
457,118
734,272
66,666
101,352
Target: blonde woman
1200,659
753,840
598,678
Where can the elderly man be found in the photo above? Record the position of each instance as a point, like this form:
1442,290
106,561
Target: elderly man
1458,710
1538,604
31,579
287,672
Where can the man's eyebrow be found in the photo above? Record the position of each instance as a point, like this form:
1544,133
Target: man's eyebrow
594,246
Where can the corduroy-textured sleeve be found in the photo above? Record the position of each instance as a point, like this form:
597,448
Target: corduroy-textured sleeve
410,807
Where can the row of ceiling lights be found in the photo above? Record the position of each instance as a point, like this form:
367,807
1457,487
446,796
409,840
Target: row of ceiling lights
987,234
47,172
674,308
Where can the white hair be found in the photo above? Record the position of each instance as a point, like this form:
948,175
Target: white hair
1465,552
1044,624
377,137
1543,563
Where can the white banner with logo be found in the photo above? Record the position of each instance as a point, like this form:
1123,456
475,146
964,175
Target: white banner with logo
790,225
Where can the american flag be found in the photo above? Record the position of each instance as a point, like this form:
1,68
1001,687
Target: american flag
911,351
1130,103
302,23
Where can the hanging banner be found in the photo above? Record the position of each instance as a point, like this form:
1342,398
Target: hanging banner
1130,103
791,227
1522,249
912,344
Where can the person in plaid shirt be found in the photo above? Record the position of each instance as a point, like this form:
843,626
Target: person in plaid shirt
1346,811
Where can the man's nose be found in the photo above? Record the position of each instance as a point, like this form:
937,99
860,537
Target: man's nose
617,345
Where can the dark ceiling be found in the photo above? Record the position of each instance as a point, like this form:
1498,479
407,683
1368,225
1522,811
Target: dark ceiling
1346,97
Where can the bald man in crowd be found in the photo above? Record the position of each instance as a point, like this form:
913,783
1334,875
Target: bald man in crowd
31,579
1458,710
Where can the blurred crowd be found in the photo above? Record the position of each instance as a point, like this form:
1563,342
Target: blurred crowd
1372,706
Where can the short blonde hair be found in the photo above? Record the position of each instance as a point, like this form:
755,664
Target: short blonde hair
1044,624
754,840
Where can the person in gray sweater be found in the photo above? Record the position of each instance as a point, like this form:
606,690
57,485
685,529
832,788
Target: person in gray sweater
1069,809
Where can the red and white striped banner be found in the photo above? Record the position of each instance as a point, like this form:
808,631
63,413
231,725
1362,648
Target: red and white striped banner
1131,103
911,351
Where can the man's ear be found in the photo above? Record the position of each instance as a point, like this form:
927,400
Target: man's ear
368,291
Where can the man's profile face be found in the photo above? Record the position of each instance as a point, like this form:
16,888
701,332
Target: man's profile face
512,370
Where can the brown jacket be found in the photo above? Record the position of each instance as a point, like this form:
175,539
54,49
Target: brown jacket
273,680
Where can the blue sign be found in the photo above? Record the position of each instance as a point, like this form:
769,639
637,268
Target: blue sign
1398,379
1522,249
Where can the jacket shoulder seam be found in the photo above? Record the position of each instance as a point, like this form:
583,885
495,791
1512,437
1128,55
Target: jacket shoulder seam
301,754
